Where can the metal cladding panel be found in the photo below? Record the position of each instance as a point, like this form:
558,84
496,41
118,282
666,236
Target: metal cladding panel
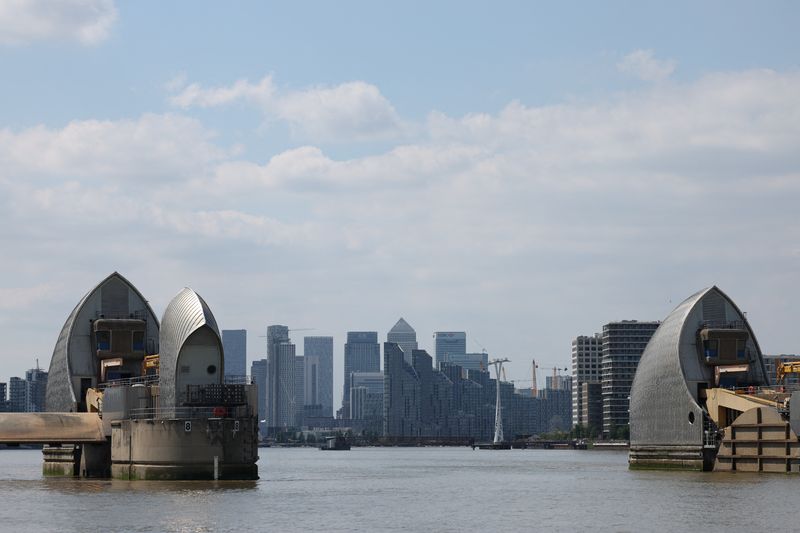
185,314
664,389
71,358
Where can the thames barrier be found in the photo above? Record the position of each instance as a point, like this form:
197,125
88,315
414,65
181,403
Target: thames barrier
701,398
130,398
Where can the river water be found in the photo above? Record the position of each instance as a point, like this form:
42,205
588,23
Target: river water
411,489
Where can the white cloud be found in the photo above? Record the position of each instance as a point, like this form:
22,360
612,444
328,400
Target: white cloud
350,111
85,21
559,215
644,66
154,148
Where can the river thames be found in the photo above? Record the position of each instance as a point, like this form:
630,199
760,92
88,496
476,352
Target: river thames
410,489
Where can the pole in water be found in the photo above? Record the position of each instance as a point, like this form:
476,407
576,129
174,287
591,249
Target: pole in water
216,467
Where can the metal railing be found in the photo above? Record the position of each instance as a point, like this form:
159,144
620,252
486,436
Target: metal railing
189,413
723,324
127,382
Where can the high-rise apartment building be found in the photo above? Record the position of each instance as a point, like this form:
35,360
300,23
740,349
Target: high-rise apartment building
281,378
234,346
17,395
623,345
451,346
587,351
404,336
318,352
362,353
258,376
35,388
3,401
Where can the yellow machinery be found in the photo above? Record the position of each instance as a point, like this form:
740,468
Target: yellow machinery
150,365
792,367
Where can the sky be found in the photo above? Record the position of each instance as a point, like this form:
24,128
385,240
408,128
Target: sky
522,171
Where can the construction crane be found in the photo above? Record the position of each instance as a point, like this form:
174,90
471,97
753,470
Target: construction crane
498,417
789,367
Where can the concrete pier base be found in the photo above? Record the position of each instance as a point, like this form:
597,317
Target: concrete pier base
61,461
184,449
671,457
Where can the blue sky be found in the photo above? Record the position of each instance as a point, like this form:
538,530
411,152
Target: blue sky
519,170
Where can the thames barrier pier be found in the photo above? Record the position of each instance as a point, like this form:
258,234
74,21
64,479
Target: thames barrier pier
701,398
131,400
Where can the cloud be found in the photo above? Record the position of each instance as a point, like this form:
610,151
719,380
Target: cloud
154,148
644,66
24,297
86,21
563,215
353,111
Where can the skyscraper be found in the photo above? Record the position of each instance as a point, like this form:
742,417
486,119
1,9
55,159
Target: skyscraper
281,378
586,354
258,374
35,388
404,336
362,353
623,345
450,344
234,346
318,353
299,389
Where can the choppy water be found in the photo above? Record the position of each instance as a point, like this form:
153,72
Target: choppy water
413,489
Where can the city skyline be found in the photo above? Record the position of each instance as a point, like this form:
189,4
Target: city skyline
519,171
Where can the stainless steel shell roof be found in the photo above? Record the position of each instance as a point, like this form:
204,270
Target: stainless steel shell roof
185,314
670,373
61,395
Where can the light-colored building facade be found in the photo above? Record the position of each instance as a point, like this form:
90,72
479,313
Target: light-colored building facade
587,351
450,346
404,336
318,352
234,346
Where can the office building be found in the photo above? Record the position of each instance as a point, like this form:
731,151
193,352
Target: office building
366,400
234,346
587,351
258,376
404,336
450,346
469,361
299,389
362,353
318,352
3,401
623,345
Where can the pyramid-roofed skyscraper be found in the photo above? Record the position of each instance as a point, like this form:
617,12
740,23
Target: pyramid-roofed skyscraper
404,335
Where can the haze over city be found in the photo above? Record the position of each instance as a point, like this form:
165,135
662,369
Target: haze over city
524,173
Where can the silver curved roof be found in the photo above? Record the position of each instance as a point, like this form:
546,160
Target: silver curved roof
70,361
185,314
671,373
